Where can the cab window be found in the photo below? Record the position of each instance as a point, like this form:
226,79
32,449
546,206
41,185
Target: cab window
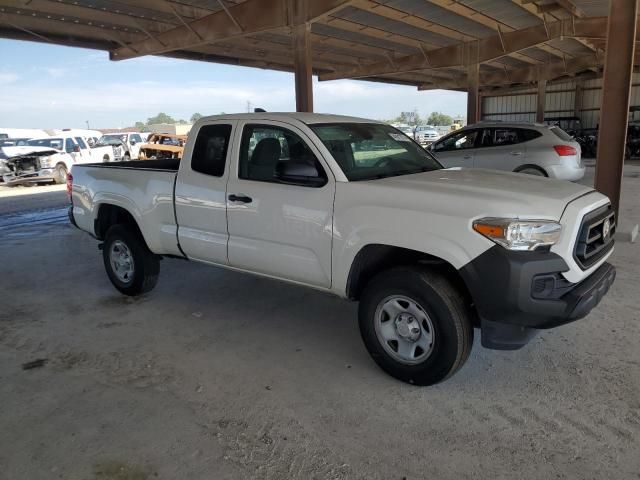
265,147
69,146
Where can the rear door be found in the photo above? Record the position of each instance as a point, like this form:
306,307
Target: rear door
200,193
281,230
500,148
457,149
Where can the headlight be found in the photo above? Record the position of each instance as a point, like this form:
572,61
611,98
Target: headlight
514,234
45,162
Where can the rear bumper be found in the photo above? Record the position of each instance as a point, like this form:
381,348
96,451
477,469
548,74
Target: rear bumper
571,173
518,293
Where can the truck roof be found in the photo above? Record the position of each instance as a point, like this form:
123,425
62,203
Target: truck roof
308,118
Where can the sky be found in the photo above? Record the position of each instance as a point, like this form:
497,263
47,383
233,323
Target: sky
48,86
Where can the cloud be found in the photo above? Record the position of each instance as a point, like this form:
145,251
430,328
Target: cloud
55,72
8,77
123,102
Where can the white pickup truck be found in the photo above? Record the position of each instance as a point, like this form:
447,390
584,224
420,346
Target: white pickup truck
356,208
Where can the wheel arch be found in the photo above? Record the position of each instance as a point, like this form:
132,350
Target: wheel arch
109,215
374,258
531,166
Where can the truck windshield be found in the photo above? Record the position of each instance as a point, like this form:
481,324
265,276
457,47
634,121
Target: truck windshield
109,140
367,151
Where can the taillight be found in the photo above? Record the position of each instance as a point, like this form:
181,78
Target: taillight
69,186
565,150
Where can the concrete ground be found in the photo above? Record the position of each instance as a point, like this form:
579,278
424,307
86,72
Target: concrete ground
218,375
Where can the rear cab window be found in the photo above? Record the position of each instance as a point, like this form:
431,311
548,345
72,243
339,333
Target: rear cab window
210,150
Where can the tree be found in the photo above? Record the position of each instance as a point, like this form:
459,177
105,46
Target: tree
160,118
437,118
412,119
195,117
140,126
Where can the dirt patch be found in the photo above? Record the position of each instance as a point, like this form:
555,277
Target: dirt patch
116,470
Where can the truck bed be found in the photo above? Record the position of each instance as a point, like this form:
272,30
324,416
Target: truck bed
142,188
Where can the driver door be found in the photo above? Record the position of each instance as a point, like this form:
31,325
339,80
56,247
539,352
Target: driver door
283,230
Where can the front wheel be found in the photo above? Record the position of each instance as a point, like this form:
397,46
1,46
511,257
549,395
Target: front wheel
416,325
131,266
60,175
126,157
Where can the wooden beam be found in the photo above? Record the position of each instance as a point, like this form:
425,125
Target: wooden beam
250,17
616,90
489,48
550,71
566,5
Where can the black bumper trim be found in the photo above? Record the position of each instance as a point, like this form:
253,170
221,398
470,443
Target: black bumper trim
500,283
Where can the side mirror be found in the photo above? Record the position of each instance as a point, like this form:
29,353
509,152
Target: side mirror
299,173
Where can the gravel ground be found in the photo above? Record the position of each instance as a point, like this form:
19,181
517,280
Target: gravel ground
219,375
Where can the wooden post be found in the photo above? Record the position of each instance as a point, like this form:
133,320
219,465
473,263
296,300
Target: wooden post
302,68
577,101
473,82
542,98
616,87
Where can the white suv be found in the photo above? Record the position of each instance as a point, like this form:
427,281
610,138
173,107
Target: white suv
530,148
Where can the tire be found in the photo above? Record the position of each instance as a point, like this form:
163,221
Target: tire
60,175
126,158
143,276
532,170
441,308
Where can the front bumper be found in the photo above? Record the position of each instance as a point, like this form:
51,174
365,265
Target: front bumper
518,293
43,175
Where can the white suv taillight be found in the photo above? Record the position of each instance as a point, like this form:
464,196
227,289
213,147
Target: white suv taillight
565,150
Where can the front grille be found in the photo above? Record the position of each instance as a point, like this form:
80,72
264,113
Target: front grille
595,240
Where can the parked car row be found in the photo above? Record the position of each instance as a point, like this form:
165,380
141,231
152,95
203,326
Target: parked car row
49,158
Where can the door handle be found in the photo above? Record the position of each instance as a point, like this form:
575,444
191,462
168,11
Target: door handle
516,154
240,198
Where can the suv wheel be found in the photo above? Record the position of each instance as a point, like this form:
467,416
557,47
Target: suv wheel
416,325
131,266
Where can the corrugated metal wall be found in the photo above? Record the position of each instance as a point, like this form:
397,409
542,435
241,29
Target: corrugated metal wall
560,101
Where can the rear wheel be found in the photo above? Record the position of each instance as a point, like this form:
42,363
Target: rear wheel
60,175
532,170
416,325
131,266
126,157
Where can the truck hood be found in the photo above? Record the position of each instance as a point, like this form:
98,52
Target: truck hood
489,192
10,152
